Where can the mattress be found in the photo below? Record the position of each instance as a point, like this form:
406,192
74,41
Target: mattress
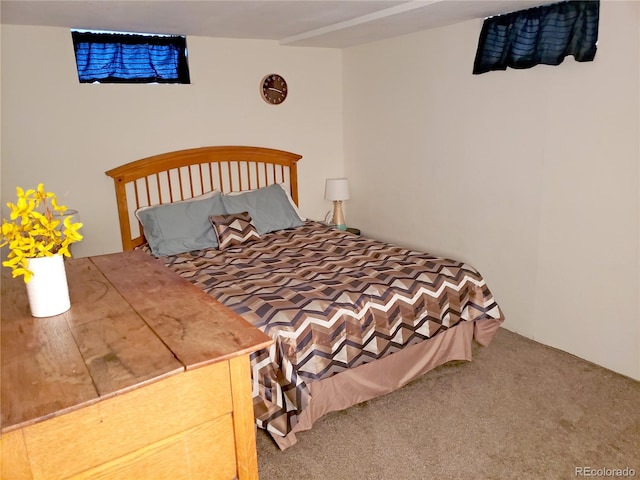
332,301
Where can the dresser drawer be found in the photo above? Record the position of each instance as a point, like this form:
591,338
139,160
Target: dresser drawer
203,452
72,443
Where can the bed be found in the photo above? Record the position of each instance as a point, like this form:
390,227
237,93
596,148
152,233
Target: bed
352,318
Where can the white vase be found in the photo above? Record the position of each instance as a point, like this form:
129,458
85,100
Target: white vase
47,290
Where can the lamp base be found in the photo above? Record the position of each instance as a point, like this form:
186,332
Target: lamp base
338,216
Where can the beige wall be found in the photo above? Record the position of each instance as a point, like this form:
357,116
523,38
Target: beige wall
67,135
530,175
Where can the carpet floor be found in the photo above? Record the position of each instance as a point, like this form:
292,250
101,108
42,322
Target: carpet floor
519,410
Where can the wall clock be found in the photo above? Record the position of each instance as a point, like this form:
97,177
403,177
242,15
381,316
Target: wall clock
274,89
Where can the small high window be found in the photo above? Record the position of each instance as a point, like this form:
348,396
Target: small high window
541,35
117,57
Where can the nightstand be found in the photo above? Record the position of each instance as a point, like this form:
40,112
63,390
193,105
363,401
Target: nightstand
355,231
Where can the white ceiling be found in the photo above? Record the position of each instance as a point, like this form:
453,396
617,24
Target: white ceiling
313,23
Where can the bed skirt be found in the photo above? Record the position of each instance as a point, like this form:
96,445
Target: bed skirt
390,373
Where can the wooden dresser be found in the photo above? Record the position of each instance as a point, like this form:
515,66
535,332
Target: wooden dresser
146,377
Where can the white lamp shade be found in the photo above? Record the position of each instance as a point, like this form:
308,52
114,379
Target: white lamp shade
336,189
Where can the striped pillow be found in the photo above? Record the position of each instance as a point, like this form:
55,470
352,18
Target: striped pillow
233,229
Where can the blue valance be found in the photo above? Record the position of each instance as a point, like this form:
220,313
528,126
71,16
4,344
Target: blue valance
544,35
130,58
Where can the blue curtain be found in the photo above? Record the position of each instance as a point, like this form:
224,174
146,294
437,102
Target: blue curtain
130,58
538,35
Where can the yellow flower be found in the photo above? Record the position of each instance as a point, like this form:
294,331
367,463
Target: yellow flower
22,209
33,231
56,207
71,230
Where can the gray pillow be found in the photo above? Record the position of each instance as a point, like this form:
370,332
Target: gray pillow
269,207
182,226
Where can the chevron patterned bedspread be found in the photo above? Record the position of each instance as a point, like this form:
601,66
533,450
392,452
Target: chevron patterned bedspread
331,300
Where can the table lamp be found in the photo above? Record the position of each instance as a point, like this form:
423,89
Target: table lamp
337,190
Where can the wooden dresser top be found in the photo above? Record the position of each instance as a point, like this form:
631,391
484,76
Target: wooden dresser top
132,321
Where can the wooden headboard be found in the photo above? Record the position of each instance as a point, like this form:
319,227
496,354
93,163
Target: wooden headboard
184,174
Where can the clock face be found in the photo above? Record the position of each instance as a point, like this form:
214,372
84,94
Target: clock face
274,89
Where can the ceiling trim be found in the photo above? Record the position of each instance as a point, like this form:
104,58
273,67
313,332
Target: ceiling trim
363,19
